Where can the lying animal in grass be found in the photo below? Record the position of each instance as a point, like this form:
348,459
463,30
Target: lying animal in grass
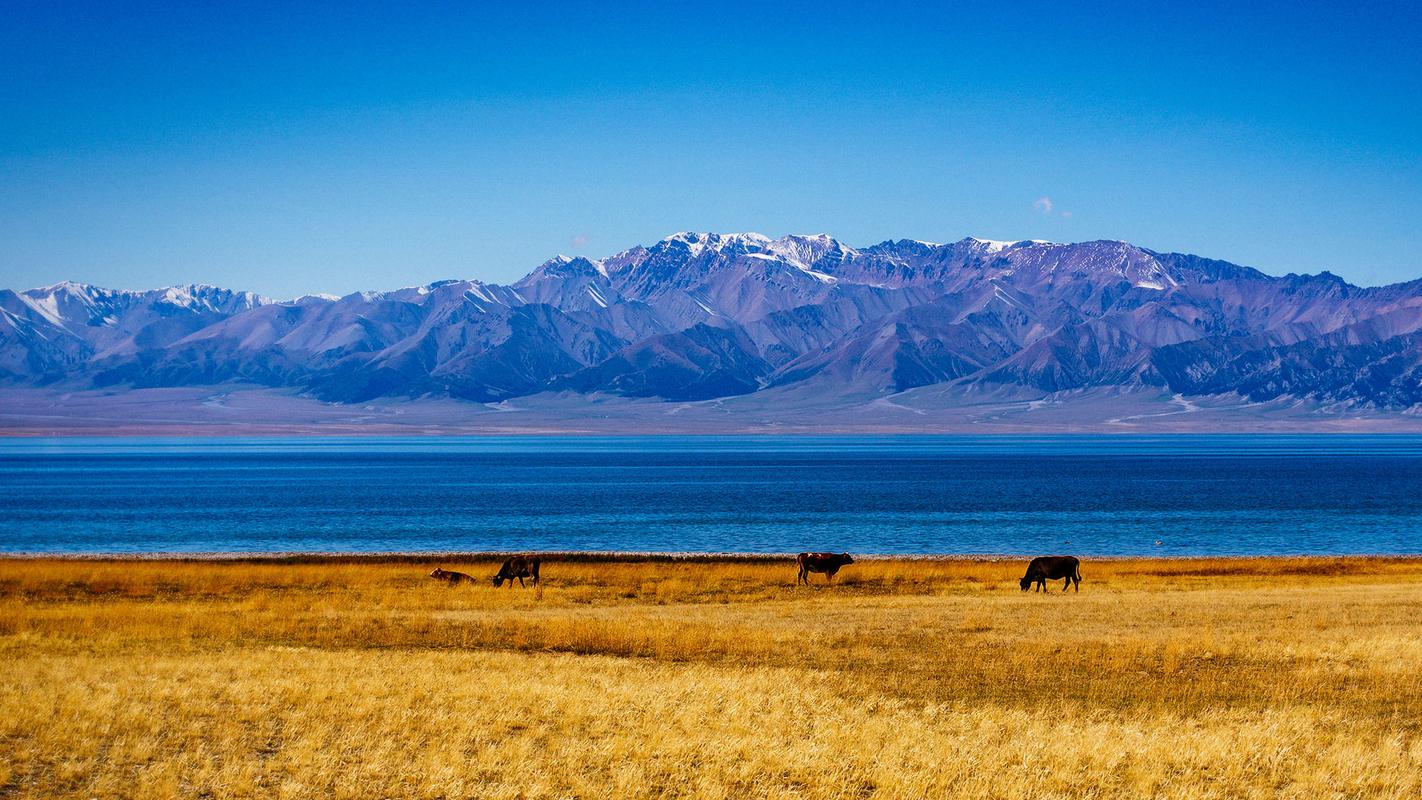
450,577
1051,568
828,563
518,567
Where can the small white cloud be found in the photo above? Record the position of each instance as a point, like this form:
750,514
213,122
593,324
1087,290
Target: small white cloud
1066,214
580,241
1043,204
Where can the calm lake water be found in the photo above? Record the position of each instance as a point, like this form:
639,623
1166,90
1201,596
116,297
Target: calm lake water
1089,495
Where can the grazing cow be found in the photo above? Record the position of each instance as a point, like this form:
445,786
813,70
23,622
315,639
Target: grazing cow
450,577
1051,568
828,563
518,567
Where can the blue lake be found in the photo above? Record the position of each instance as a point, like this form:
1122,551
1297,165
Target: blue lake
1088,495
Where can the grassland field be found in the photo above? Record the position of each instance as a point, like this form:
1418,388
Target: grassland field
633,678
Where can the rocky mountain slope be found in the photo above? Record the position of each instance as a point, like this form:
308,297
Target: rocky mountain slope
699,316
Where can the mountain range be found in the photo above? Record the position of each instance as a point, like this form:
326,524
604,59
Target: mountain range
699,316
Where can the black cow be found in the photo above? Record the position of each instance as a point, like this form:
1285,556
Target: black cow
518,567
1051,568
828,563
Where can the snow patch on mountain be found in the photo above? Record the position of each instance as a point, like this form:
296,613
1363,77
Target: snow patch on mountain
992,245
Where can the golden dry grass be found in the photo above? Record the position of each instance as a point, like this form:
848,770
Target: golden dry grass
362,678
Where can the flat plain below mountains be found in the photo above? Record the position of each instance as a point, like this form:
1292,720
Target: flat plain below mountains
362,677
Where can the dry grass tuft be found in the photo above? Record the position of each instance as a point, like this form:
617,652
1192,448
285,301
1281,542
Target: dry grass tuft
635,678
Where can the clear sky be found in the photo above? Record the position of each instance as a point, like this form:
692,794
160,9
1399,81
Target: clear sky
356,145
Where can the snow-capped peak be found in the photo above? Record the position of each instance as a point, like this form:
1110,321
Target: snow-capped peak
309,299
997,246
805,251
699,243
74,292
187,295
717,239
67,287
70,303
992,245
556,264
199,296
801,251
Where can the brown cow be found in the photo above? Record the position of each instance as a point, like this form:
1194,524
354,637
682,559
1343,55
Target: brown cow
828,563
518,567
1051,568
450,577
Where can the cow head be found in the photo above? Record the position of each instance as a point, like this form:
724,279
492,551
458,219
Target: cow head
498,580
1025,582
437,573
844,558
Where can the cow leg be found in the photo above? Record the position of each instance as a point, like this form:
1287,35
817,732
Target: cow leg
521,583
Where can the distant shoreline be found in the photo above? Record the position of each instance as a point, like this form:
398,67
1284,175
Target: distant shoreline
275,434
611,556
233,411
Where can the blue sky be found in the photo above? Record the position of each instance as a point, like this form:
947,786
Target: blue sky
359,145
